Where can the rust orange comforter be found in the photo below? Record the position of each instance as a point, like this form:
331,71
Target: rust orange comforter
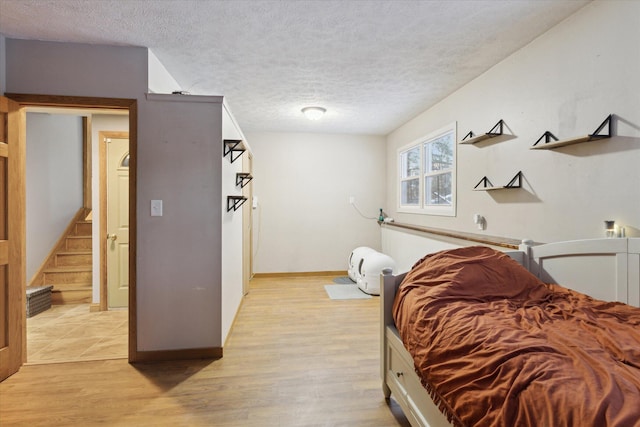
494,346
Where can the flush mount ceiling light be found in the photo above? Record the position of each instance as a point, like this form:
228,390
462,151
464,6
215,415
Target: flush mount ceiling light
314,113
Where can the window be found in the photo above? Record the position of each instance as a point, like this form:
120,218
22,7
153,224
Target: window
427,178
125,161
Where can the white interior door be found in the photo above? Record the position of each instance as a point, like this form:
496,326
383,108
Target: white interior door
118,222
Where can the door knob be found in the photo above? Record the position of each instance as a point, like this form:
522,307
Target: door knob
112,237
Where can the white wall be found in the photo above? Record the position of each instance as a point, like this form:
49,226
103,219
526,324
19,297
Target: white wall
231,228
304,221
100,122
160,81
566,81
54,181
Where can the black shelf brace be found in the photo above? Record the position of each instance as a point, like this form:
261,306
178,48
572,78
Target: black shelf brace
243,178
493,131
234,202
469,135
233,147
597,135
516,181
548,136
485,183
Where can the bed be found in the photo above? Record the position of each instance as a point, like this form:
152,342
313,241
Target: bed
530,378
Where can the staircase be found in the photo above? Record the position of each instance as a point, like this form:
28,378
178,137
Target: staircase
69,267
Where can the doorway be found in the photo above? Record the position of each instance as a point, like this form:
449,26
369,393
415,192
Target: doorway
77,327
129,106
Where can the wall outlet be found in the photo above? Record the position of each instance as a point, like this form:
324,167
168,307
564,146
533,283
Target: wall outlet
352,199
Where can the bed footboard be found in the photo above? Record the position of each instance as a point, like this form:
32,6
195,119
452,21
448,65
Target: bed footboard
396,365
388,286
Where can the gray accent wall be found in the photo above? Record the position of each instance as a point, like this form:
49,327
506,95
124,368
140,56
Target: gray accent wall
179,161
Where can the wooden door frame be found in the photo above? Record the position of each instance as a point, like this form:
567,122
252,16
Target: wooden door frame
29,100
247,223
13,247
102,135
86,163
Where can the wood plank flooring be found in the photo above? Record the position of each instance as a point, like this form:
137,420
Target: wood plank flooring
71,333
293,358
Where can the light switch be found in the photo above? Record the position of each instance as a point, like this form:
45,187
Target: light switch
156,208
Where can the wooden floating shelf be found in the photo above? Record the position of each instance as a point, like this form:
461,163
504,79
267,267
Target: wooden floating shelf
495,131
476,139
494,188
516,182
556,144
548,136
4,149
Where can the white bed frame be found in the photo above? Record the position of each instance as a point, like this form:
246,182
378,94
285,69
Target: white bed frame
587,266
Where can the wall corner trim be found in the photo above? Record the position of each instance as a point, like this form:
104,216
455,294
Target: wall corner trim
170,97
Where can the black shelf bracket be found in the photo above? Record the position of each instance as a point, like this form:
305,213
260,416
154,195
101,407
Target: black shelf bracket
233,147
485,183
493,132
243,178
597,135
469,135
234,202
548,136
516,181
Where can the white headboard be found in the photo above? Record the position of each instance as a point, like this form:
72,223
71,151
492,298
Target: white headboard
633,267
606,269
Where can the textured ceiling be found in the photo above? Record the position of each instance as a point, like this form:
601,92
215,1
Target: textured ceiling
372,64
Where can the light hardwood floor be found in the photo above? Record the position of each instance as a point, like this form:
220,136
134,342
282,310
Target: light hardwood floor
70,333
293,358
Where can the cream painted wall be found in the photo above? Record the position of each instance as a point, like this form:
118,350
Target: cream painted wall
54,181
304,221
566,81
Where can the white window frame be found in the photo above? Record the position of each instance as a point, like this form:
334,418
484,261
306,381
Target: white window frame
422,207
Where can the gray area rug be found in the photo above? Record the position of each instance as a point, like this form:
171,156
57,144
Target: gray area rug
346,280
345,292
